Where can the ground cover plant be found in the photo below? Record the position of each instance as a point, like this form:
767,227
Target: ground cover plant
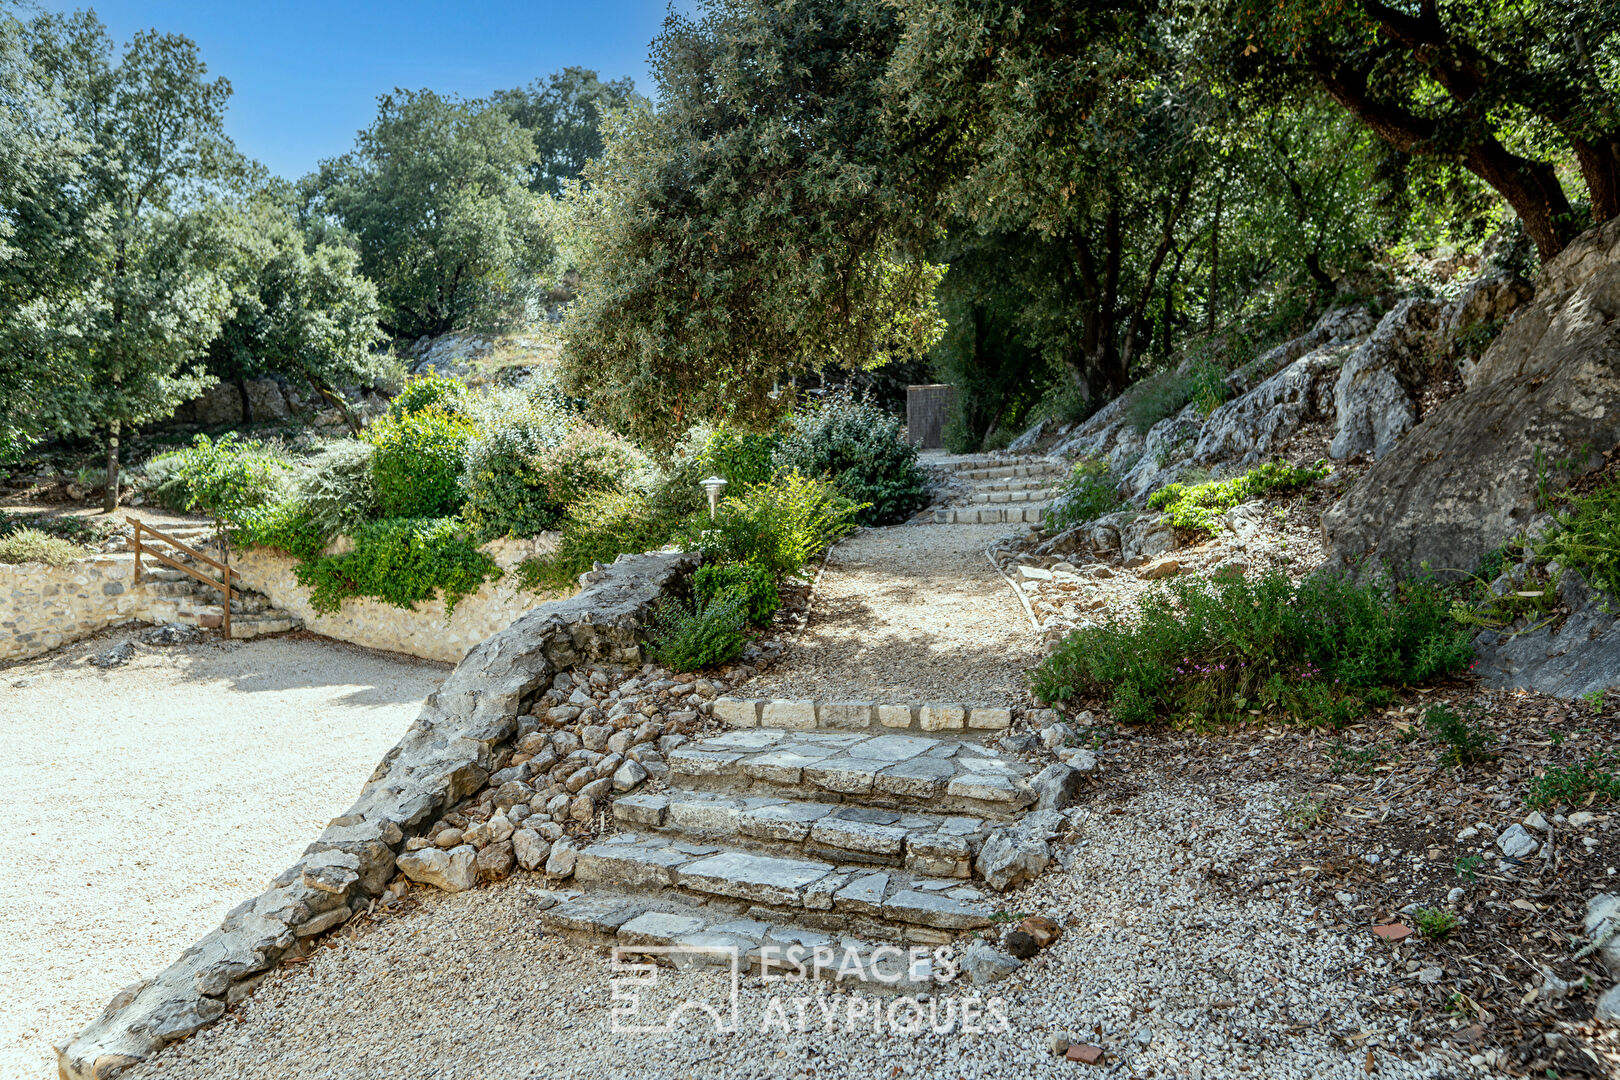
1204,651
29,545
1087,493
1197,508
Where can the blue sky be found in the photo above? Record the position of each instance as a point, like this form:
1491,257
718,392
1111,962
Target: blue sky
306,75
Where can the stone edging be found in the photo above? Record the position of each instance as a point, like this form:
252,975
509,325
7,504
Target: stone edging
807,715
446,755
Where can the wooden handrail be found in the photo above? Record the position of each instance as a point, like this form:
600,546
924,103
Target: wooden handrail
223,586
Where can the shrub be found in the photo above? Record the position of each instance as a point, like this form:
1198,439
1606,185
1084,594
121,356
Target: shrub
599,528
1161,396
740,458
1209,650
1593,778
687,637
416,462
28,545
400,561
1197,508
1089,492
1588,538
858,446
84,531
779,526
335,487
289,526
225,478
751,584
524,472
430,391
1463,742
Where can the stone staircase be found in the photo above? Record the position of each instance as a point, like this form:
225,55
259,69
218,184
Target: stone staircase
844,826
999,491
173,596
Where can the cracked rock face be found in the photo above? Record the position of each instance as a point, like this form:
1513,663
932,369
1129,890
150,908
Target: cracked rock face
1374,398
1466,478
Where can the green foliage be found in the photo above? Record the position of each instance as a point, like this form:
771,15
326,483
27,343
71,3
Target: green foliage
1161,396
1205,651
1462,741
28,545
1343,758
599,528
856,445
534,461
1592,780
749,229
80,530
1198,508
738,457
564,116
289,525
225,478
779,526
1435,924
1089,492
747,582
1588,537
429,390
336,488
435,197
416,463
1468,866
690,637
400,561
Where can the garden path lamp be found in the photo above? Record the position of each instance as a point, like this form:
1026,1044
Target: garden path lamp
713,485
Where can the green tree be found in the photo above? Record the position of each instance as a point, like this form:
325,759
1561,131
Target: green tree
1509,89
138,270
435,197
301,310
563,114
752,227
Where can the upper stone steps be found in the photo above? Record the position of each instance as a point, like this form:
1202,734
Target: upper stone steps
929,844
806,714
1015,497
978,470
889,771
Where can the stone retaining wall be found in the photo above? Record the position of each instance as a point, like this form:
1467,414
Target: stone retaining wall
42,607
462,735
423,632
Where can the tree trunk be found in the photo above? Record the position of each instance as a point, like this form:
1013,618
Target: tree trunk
1313,265
1167,320
1214,258
1600,166
109,497
247,404
337,402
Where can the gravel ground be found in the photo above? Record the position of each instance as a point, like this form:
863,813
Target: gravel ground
912,613
143,801
1169,973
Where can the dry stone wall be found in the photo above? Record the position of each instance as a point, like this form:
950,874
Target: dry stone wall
463,735
423,631
43,607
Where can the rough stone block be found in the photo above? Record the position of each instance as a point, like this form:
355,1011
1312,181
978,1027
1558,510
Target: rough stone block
738,712
846,715
989,719
895,716
795,715
942,717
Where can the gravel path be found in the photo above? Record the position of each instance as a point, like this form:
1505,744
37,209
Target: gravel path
143,801
913,613
1170,974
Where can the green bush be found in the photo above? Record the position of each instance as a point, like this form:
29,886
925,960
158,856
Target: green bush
27,545
779,526
1463,741
599,528
429,391
225,478
752,585
740,458
416,462
858,446
289,526
689,637
1204,651
525,470
400,561
1161,396
1588,538
1592,780
1089,492
336,487
1197,508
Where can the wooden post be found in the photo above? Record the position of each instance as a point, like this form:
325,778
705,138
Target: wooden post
137,525
225,557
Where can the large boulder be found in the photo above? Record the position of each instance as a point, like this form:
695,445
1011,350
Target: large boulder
1547,390
1166,453
1246,430
1375,396
1578,656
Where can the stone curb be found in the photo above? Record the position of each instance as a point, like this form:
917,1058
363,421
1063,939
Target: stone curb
809,715
446,755
997,515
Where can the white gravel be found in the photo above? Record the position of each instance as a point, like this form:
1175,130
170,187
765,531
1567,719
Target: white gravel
143,802
913,613
1219,984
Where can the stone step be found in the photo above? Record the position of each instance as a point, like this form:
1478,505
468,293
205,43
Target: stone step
1001,472
1040,495
890,771
1042,483
882,903
807,715
993,515
931,844
699,935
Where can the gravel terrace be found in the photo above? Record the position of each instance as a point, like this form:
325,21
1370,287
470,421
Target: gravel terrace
912,613
143,801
